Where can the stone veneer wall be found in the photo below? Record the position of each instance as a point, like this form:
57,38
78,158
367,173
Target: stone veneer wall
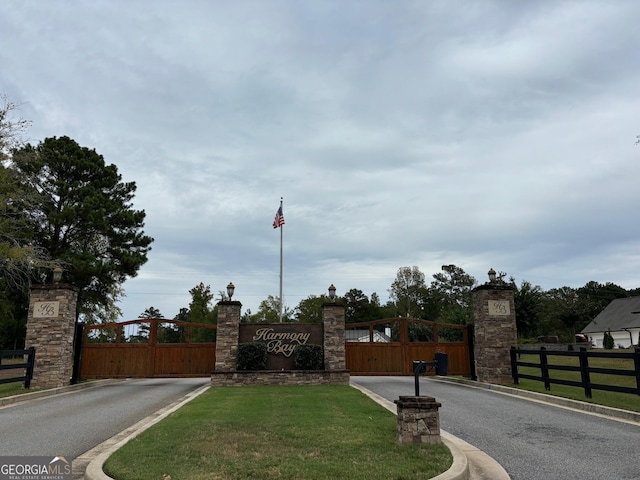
285,377
334,337
227,335
227,339
495,332
418,420
52,336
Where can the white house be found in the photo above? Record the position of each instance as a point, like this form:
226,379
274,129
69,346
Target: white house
622,318
361,335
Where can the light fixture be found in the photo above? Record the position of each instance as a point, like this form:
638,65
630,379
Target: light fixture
57,274
230,289
332,292
492,276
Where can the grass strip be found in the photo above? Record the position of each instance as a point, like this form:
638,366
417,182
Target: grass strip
11,389
277,432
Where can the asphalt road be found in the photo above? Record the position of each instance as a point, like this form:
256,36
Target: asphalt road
73,423
532,441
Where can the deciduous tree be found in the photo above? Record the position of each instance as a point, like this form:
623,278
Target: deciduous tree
407,291
269,311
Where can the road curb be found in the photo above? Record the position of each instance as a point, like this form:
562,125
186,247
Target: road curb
50,392
481,464
610,412
97,456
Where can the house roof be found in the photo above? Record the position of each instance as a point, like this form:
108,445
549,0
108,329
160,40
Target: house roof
621,313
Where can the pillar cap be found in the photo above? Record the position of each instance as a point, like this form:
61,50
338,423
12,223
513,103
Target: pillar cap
230,303
57,286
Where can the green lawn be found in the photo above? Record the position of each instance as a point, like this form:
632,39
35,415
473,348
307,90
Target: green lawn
625,401
10,389
277,432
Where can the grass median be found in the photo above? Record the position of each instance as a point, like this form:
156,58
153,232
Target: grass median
277,432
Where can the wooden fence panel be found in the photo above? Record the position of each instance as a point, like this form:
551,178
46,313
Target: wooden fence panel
364,358
380,357
108,353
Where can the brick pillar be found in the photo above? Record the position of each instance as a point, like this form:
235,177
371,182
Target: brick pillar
334,337
495,331
418,420
50,330
227,336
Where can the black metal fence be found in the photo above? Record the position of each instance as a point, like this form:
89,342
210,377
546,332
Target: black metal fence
583,368
27,366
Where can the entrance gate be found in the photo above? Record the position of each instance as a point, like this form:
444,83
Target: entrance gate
389,346
148,347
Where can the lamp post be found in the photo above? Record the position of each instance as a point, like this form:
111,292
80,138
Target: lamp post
57,274
492,276
332,292
230,289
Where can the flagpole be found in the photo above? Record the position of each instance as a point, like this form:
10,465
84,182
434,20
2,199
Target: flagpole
281,229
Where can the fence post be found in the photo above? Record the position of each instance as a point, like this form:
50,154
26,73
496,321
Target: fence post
472,353
636,362
514,365
31,359
584,372
544,367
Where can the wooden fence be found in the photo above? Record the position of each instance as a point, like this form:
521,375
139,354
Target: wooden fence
390,346
583,368
27,365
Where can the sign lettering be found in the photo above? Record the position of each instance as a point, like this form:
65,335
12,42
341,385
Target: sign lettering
46,309
281,343
499,307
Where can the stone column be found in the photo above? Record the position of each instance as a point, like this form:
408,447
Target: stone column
334,336
50,330
495,331
418,420
227,336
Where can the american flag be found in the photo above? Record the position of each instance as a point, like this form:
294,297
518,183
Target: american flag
279,220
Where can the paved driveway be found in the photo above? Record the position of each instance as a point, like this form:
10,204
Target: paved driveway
73,423
532,441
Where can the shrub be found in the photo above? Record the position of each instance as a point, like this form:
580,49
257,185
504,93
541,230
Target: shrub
308,357
607,340
251,356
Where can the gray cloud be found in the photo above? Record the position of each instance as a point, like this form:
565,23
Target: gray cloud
406,133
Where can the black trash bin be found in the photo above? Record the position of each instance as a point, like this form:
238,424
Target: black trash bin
443,363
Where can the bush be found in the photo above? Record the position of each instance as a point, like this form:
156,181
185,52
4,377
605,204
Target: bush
308,357
607,340
252,356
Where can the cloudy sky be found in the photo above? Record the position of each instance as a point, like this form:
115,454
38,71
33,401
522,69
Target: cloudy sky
482,134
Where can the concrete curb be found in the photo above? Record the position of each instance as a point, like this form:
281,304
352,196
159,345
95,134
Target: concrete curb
97,456
592,408
459,469
468,461
27,397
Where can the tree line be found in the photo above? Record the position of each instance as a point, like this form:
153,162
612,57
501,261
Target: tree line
446,299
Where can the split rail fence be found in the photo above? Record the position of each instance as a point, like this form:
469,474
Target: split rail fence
547,368
25,365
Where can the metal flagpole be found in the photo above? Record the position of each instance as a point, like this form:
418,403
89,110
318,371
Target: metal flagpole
281,229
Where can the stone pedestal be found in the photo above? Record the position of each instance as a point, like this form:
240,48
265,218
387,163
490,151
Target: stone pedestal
334,336
418,420
227,336
50,330
495,332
